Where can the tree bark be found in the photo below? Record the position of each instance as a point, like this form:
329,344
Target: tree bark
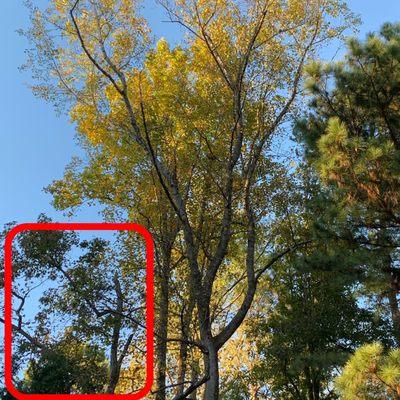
168,231
162,334
115,366
168,235
211,391
194,377
182,366
186,318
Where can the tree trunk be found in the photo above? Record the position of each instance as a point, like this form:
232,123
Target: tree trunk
212,386
162,328
194,377
182,366
186,318
115,367
317,389
313,386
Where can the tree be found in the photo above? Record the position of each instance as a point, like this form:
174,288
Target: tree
371,373
351,136
67,367
316,314
198,118
90,293
313,327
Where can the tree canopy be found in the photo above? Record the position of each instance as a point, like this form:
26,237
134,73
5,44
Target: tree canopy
277,272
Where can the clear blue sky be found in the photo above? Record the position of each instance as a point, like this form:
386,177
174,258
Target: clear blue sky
35,144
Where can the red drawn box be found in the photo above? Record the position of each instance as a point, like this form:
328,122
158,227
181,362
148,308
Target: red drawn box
149,307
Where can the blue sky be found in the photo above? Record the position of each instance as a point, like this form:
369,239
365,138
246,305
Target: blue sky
36,145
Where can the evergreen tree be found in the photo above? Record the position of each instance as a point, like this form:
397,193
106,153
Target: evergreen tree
372,373
316,320
352,138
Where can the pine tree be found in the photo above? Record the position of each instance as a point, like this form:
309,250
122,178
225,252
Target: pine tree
372,373
351,136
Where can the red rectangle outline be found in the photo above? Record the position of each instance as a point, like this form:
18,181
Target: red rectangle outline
149,307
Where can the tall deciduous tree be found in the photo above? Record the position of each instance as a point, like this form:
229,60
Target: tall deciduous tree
198,118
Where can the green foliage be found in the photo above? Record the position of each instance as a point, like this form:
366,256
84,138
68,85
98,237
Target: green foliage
67,367
316,317
181,138
5,395
87,293
351,138
51,374
372,373
312,329
315,323
351,133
